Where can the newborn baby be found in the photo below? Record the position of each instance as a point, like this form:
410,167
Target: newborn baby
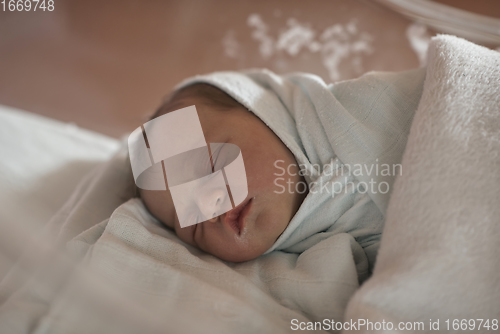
320,159
267,210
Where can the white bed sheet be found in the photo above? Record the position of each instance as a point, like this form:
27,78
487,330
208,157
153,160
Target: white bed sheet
42,160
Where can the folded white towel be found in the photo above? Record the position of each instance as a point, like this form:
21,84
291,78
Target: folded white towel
439,256
362,122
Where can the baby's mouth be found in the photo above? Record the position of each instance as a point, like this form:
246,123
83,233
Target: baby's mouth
235,218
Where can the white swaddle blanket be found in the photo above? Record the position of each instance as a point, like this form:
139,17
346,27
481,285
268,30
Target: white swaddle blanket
362,123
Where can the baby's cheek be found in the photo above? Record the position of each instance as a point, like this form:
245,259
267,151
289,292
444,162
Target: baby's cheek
262,174
286,179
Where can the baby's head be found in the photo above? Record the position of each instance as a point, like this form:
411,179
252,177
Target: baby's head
266,211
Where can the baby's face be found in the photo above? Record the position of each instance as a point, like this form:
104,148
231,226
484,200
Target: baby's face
266,211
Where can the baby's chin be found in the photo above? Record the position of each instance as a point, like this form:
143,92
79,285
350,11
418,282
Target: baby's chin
244,251
237,257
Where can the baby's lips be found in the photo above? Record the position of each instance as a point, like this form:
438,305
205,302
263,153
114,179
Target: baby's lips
233,217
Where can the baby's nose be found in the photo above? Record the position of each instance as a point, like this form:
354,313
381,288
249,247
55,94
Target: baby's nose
211,206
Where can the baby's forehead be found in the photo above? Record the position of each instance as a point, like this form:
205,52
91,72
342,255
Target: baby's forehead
170,106
202,93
